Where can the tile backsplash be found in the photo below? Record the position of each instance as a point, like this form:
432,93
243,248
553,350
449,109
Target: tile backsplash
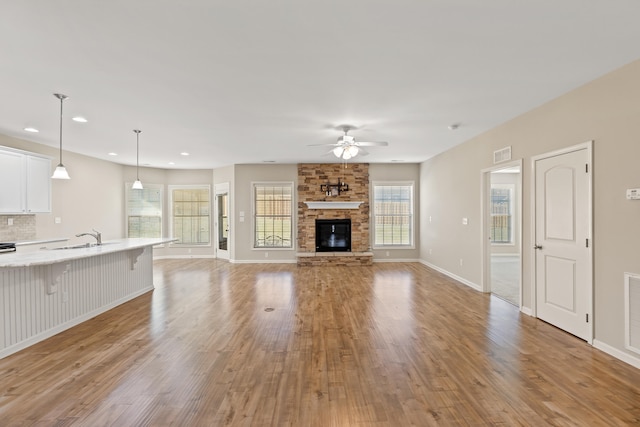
23,228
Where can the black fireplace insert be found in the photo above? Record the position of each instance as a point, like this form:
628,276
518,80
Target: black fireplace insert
333,235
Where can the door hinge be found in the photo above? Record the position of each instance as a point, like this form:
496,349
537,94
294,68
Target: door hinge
586,167
587,317
587,242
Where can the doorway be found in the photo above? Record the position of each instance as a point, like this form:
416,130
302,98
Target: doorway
502,231
222,224
562,239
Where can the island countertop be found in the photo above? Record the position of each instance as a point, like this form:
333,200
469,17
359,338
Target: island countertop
53,255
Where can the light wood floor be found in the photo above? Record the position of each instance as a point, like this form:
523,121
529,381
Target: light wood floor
388,345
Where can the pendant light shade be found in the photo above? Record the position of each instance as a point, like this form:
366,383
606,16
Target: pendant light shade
61,171
137,185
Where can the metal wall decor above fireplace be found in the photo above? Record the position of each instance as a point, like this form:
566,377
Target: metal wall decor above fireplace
333,235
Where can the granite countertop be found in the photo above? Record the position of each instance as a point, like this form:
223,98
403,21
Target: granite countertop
52,255
40,242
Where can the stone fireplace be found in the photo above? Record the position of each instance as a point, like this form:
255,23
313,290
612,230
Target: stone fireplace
319,199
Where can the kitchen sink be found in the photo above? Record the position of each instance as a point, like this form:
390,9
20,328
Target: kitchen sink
80,246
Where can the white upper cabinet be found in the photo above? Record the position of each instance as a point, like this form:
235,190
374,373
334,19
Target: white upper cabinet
25,183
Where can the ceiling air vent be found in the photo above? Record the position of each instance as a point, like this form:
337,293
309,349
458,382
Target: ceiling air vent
502,155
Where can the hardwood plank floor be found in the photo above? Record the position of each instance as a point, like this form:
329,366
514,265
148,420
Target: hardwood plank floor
274,344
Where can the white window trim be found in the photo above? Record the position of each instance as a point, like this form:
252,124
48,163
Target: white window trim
412,184
170,189
293,215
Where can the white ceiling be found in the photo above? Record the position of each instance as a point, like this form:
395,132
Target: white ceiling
251,81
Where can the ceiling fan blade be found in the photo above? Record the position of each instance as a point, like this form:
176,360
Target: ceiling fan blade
372,144
322,145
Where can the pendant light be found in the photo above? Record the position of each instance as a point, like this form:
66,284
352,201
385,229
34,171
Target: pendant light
137,185
61,171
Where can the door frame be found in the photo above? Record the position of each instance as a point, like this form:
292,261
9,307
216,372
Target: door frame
589,147
222,188
485,215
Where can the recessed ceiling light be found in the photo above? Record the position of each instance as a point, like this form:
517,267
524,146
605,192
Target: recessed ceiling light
397,161
113,154
146,164
184,153
79,119
172,163
454,126
268,161
30,129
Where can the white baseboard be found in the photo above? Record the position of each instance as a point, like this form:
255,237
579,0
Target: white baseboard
394,260
262,261
71,323
184,256
621,355
453,276
527,311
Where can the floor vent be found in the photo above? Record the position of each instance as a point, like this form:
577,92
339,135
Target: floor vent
632,311
502,155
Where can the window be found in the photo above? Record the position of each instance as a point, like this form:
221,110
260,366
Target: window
273,221
144,211
393,214
190,218
502,213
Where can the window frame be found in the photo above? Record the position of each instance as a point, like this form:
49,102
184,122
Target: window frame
412,231
293,217
512,206
170,189
127,190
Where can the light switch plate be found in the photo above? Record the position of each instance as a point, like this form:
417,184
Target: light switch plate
633,194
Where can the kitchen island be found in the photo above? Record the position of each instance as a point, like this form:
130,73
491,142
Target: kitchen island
47,291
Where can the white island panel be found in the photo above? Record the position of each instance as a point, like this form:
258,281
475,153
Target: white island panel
41,299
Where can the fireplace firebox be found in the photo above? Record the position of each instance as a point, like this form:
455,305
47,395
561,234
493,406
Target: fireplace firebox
333,235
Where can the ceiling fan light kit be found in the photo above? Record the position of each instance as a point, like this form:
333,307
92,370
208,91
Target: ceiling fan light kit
347,147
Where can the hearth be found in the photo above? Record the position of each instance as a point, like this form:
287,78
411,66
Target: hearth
333,235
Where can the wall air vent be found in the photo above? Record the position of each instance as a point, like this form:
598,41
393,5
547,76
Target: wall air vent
632,311
502,155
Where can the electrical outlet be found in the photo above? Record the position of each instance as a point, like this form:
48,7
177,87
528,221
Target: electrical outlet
387,253
429,218
57,220
266,254
430,251
460,262
10,221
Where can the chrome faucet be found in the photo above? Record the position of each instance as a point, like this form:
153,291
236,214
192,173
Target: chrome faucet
97,236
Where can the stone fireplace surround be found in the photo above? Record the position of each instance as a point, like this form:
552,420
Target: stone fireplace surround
310,177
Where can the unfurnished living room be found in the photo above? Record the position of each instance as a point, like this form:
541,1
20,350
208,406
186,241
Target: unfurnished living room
355,213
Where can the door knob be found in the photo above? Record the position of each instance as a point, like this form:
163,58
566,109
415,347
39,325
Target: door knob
537,247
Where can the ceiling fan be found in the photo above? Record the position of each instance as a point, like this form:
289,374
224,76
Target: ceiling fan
347,147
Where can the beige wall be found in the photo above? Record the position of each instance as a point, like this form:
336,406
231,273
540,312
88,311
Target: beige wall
92,198
606,111
407,172
245,175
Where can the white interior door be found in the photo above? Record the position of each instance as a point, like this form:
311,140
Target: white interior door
562,240
222,220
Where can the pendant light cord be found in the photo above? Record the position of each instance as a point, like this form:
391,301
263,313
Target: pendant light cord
137,131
